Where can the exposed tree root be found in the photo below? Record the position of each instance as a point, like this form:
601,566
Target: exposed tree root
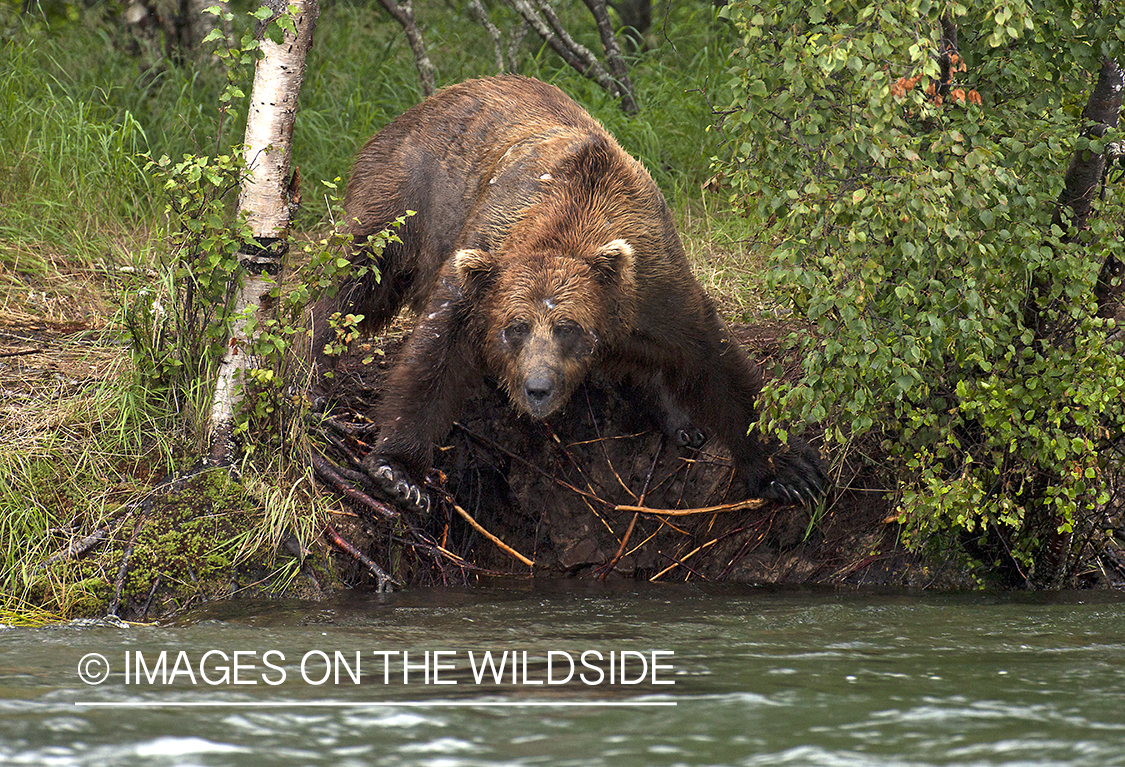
383,579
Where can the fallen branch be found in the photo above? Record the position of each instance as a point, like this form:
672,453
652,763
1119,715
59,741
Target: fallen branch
76,549
381,577
151,594
620,549
347,428
632,522
331,475
682,560
82,545
499,543
123,569
749,503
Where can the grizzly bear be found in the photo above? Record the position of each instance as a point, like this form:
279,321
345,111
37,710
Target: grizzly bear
540,253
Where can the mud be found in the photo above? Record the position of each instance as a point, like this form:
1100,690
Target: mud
552,491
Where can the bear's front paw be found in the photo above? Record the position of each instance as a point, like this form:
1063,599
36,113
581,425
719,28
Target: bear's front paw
395,482
798,476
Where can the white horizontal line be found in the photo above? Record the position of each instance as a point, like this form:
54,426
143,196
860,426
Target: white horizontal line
370,703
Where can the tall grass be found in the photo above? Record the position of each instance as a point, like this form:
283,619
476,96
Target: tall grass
70,176
79,109
68,464
360,76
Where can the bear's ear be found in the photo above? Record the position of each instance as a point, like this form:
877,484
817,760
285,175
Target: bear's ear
475,268
613,263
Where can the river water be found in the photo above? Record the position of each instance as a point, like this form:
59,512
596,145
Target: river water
603,675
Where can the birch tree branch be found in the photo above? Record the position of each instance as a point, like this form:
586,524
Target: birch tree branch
540,16
617,67
478,12
403,12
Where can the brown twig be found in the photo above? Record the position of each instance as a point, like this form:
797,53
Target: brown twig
343,449
632,522
431,547
620,549
680,562
331,474
381,577
747,546
480,529
359,430
686,566
520,459
592,486
749,503
605,452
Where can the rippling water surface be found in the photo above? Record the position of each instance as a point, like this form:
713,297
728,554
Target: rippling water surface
761,677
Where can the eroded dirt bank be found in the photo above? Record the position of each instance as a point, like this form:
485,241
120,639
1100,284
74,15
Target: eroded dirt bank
550,491
554,491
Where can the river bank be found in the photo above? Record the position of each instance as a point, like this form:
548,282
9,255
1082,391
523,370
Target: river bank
557,494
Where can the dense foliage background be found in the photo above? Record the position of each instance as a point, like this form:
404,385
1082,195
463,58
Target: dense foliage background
954,328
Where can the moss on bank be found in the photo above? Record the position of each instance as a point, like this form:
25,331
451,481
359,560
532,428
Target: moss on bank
182,548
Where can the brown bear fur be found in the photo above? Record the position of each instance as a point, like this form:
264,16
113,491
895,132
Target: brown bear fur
540,253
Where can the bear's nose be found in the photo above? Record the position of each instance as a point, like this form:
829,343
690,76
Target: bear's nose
538,389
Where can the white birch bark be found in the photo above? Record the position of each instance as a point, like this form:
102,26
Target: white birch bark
266,201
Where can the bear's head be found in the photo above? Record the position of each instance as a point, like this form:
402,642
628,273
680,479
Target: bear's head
544,316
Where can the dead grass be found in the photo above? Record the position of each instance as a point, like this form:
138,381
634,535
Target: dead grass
59,293
68,452
726,257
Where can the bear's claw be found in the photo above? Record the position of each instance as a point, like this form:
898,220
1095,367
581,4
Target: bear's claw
396,484
690,437
799,477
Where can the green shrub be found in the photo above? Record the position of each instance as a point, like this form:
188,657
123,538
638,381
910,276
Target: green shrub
913,235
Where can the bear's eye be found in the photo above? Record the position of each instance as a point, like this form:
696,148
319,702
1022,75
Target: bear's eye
567,330
516,332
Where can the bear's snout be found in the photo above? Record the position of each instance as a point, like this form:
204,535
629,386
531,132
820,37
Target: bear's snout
539,390
541,393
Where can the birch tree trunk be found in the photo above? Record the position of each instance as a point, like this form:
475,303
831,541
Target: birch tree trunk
268,198
1087,167
1072,210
